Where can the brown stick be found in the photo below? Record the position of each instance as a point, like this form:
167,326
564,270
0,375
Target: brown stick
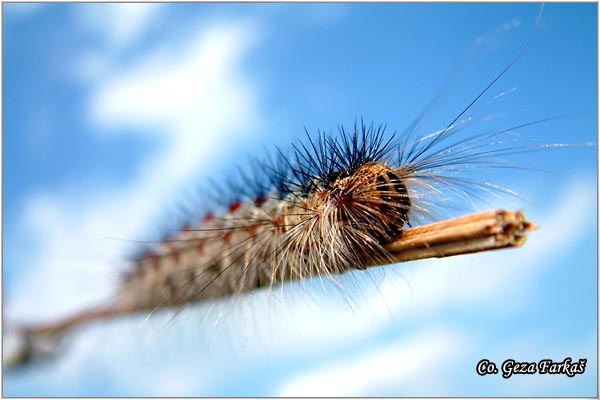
80,318
489,230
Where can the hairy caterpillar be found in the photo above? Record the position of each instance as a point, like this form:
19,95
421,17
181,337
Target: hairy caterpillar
164,286
338,203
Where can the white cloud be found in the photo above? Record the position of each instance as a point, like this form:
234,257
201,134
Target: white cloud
116,27
195,96
119,24
371,372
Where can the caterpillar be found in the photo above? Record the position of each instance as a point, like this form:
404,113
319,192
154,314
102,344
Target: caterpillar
337,207
329,205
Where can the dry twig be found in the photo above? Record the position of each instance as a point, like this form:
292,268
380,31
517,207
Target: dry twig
489,230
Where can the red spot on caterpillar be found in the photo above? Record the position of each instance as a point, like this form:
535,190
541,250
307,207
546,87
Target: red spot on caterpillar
208,217
234,206
227,237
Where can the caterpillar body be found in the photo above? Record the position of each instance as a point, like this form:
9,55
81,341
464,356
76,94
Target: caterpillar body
340,201
323,223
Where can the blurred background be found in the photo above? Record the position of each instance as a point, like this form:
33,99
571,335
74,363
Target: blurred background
114,113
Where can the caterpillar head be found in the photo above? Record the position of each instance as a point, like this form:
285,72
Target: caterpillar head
373,199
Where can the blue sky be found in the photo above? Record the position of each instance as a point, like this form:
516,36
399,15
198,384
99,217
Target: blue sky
112,113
